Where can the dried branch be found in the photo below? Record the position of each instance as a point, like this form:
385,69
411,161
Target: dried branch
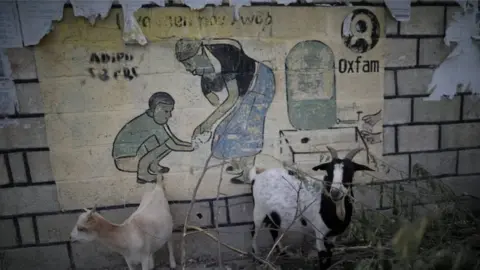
244,253
190,207
217,213
396,237
297,216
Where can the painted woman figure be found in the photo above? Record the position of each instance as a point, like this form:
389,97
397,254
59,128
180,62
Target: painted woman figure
250,87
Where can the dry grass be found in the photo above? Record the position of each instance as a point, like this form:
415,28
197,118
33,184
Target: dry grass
444,234
409,234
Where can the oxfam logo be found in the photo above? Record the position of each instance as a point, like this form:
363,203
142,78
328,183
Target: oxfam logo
360,30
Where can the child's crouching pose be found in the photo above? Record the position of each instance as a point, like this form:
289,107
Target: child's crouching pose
144,141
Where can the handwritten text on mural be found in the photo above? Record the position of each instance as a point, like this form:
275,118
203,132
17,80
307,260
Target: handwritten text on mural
110,57
258,18
105,74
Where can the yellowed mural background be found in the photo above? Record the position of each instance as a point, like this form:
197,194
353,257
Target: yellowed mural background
84,113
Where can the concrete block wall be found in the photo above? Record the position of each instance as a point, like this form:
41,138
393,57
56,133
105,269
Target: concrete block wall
442,136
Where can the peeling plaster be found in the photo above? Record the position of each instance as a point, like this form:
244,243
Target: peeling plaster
459,71
463,4
199,4
347,2
286,2
37,15
132,33
10,30
400,10
36,18
237,4
91,9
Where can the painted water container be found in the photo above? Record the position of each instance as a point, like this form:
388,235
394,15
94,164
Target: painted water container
310,85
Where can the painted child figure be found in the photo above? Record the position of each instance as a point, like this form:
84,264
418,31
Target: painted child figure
144,141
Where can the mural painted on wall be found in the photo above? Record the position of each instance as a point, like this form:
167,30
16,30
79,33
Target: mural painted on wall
259,90
369,123
361,30
311,84
310,79
250,87
104,74
145,140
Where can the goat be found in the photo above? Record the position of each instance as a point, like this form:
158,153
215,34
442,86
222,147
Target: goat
139,236
279,197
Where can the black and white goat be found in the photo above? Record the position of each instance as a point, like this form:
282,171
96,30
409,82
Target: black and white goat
281,198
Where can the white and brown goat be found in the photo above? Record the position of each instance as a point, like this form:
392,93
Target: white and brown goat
280,199
139,236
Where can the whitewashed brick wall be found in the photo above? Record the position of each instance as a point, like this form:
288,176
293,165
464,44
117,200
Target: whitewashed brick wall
441,136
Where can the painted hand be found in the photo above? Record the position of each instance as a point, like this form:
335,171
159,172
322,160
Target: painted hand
372,119
195,144
371,138
201,129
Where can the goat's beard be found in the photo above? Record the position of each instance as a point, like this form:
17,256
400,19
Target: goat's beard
340,208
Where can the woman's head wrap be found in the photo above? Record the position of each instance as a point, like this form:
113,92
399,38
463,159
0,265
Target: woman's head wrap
187,48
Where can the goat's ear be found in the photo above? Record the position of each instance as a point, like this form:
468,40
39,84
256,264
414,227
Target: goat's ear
322,167
360,167
89,214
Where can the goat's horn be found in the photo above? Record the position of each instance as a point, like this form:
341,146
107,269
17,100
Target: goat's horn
333,152
353,153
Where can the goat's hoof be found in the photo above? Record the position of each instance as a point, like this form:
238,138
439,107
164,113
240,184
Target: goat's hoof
287,254
283,253
324,259
325,266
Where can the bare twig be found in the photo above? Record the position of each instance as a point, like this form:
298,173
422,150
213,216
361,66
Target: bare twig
232,248
190,207
297,216
217,213
450,228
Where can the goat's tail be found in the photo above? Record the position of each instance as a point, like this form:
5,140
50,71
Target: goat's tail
160,183
252,173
